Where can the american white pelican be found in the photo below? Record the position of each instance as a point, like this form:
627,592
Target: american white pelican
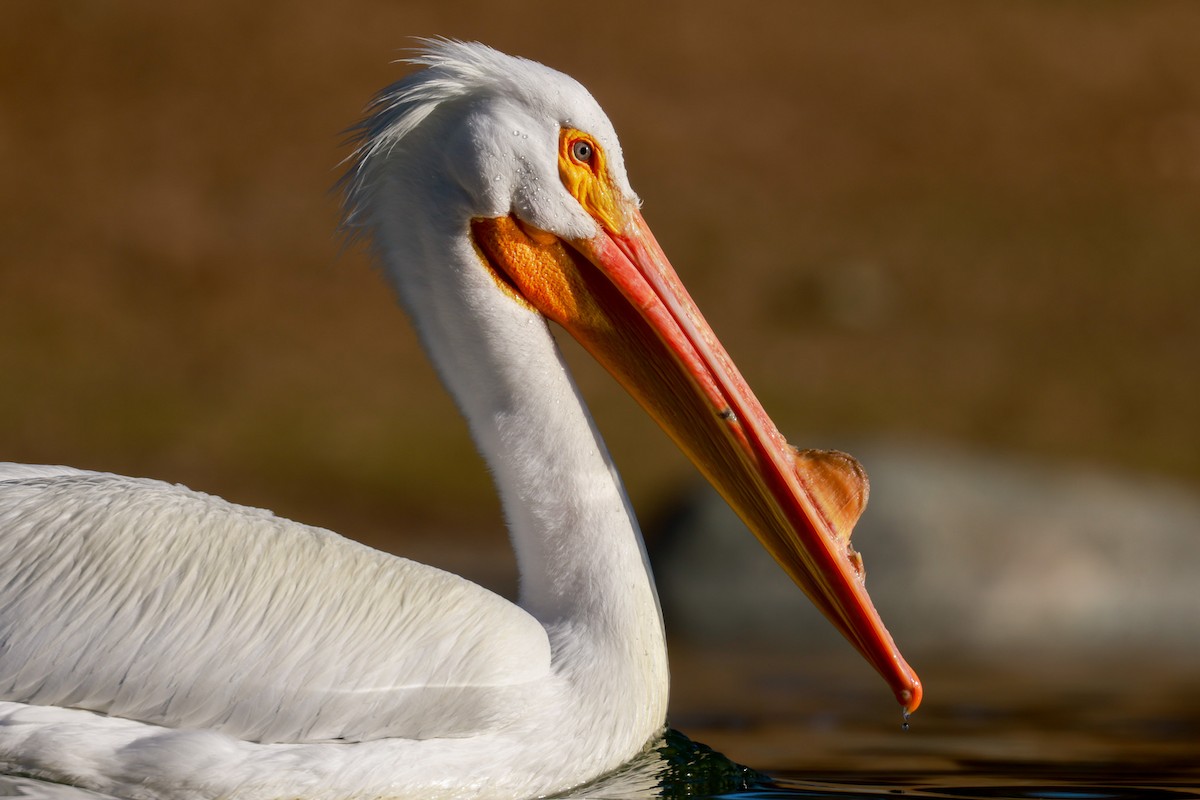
158,642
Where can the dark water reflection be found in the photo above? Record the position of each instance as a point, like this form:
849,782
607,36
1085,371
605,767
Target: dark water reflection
1011,725
683,769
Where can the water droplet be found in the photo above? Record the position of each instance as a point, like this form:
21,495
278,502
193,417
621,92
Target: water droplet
516,133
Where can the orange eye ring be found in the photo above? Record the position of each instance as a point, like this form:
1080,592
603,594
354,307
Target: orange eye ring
584,173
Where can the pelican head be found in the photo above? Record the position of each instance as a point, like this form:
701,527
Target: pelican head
494,189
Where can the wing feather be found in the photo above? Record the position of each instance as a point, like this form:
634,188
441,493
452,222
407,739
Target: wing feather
152,602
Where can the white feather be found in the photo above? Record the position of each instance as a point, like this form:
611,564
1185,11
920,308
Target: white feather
249,610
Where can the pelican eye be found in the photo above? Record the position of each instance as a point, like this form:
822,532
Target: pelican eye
582,151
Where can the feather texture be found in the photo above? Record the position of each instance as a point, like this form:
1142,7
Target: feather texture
183,610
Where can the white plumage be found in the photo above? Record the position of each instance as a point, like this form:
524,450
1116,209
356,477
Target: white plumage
405,667
159,642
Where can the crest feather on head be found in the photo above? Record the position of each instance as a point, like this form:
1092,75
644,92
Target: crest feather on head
453,69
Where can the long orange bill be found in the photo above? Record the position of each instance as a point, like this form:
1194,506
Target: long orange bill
617,294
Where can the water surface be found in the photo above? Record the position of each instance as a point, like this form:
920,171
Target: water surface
1019,724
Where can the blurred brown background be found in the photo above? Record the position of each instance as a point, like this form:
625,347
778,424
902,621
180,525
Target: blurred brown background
962,223
972,223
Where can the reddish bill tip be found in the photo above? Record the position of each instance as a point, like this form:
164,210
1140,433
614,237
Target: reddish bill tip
910,696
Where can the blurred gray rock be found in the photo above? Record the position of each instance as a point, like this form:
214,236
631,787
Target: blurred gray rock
964,552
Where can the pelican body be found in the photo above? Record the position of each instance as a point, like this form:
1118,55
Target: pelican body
157,642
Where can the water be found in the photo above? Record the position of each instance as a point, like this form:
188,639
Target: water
1025,725
681,768
1013,724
